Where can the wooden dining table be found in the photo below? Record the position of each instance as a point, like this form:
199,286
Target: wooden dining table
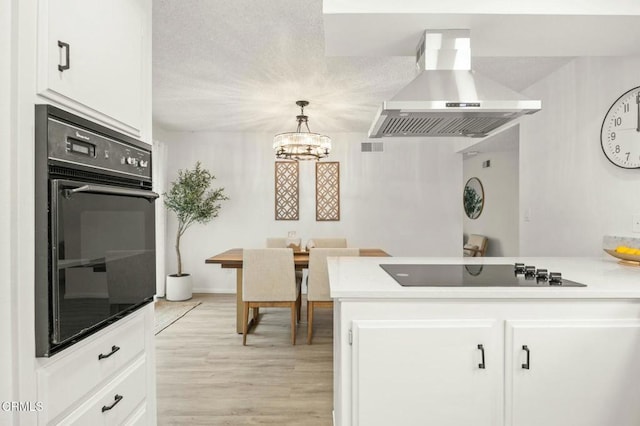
233,259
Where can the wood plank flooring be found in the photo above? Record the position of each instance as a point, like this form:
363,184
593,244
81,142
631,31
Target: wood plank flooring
206,377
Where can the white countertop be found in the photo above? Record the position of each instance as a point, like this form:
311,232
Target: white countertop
363,278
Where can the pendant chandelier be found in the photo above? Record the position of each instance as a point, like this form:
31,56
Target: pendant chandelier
301,145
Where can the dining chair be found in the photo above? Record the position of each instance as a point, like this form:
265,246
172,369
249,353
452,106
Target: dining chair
276,242
269,280
294,243
327,243
476,246
318,295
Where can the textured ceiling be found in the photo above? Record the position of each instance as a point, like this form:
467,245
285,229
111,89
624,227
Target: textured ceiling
240,66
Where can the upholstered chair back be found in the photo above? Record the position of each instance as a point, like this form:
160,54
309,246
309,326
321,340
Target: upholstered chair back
328,242
476,246
293,243
276,242
268,275
318,285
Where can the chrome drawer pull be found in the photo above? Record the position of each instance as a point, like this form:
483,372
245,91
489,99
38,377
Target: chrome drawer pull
114,349
117,398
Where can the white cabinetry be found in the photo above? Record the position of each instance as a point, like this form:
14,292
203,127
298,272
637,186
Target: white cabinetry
577,372
115,403
109,378
415,362
93,59
426,373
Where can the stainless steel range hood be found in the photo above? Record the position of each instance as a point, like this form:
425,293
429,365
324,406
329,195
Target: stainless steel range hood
447,98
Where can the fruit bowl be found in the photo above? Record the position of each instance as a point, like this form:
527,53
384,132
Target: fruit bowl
624,257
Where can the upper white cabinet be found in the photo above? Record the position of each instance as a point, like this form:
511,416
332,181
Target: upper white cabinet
93,59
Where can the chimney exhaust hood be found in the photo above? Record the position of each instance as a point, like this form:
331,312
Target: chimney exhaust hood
447,98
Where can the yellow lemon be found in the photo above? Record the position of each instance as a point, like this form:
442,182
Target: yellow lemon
622,249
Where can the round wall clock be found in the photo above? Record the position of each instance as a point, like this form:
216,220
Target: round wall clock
620,133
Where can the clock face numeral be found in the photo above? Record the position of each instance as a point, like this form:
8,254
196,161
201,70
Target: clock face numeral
620,133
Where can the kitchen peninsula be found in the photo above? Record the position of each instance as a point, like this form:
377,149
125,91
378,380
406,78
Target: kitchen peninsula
537,354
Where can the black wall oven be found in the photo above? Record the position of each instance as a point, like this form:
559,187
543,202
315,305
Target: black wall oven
95,228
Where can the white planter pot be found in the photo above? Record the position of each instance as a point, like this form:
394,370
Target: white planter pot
179,288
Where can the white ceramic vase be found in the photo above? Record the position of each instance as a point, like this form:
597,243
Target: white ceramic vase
179,287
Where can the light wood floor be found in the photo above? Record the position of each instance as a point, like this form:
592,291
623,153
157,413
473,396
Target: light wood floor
206,377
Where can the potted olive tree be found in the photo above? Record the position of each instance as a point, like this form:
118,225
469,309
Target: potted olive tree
191,199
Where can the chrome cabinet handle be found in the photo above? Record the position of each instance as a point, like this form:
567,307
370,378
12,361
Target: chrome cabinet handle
114,349
482,364
527,364
103,189
117,399
67,65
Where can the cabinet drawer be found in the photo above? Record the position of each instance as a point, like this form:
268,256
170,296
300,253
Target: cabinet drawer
116,402
139,418
79,370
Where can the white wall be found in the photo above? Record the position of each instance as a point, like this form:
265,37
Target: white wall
572,193
499,218
7,126
159,164
405,200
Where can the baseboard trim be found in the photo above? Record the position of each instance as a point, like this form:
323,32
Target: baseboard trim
214,290
224,290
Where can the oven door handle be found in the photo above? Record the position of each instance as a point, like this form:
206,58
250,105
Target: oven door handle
101,189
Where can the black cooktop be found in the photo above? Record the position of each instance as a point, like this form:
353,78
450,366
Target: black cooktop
518,275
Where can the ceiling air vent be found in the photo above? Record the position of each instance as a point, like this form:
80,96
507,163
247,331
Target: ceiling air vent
372,147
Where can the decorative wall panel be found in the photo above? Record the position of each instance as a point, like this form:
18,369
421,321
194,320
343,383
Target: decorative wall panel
287,194
327,191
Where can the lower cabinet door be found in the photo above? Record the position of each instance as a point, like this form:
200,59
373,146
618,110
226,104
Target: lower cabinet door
561,373
426,372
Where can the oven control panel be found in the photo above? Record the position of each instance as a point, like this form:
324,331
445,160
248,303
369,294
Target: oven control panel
78,146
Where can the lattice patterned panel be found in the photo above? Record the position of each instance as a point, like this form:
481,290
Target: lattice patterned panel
287,196
327,190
